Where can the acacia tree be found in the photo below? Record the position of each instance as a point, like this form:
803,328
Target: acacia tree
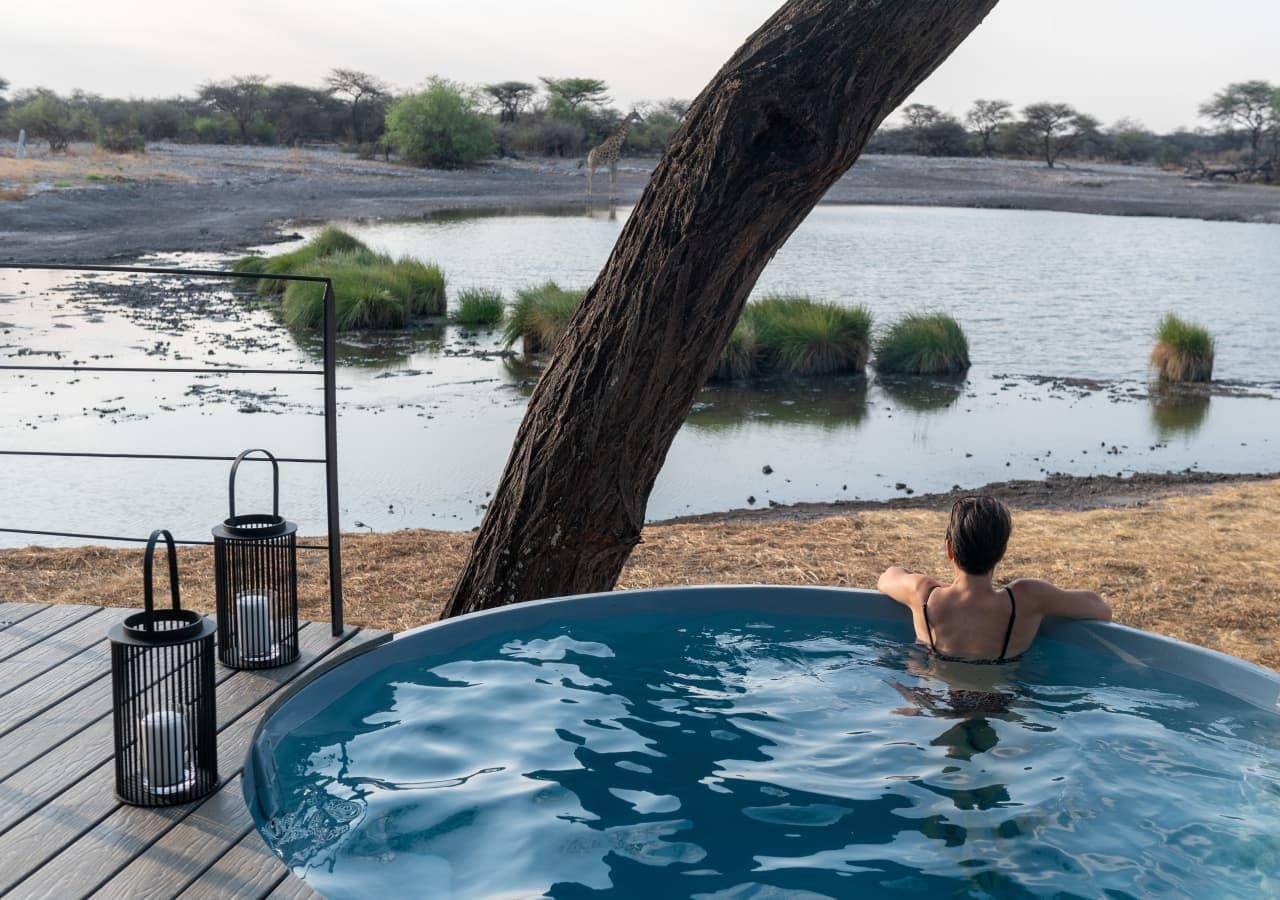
241,97
575,93
365,92
934,132
985,118
1057,127
1249,105
778,125
511,97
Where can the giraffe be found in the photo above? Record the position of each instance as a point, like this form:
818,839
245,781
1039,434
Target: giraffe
606,154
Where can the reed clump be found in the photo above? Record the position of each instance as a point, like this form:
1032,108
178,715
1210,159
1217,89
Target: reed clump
796,335
478,308
371,290
923,344
540,316
1183,351
367,294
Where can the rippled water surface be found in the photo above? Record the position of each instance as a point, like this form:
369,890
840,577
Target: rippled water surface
720,756
1059,310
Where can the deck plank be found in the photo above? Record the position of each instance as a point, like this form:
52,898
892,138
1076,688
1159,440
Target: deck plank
69,761
195,843
36,697
248,869
40,659
13,613
35,628
294,889
93,837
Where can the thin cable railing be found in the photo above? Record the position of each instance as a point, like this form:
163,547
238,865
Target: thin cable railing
329,460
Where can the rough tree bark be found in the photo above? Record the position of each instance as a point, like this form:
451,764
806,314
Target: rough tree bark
776,127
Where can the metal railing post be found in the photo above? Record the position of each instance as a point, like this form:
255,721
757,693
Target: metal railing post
331,456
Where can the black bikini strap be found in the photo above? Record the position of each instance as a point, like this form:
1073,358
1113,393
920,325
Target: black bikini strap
1013,614
927,627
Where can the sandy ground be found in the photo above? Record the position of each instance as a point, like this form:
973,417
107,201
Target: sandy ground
89,206
1196,558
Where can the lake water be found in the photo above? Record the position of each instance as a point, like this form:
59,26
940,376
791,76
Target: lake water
1059,309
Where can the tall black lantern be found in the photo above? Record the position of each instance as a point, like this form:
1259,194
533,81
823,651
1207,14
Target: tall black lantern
255,561
163,698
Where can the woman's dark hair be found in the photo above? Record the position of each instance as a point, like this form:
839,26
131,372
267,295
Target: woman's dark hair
978,533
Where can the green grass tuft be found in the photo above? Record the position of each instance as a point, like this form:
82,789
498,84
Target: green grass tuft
423,285
923,344
1183,351
327,243
365,295
540,315
477,307
794,335
249,264
371,290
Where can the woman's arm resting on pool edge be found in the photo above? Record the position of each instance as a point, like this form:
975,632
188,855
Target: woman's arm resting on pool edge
908,588
1049,600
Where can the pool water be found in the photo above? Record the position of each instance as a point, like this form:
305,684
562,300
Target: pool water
718,755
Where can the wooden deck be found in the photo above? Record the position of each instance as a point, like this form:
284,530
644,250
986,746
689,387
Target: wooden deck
63,833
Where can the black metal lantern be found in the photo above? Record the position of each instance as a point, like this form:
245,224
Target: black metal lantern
166,737
255,565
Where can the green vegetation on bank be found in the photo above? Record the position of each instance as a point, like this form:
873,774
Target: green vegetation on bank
540,315
478,308
446,123
371,290
1183,351
923,344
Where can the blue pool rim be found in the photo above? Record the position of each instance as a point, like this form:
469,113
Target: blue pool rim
1250,684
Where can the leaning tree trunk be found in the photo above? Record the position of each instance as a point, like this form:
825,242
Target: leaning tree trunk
777,126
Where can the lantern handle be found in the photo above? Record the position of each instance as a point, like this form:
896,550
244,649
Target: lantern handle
147,561
275,481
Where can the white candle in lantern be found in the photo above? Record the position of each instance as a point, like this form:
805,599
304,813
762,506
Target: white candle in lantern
163,745
253,616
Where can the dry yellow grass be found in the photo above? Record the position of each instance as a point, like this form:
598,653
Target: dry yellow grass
80,165
1201,567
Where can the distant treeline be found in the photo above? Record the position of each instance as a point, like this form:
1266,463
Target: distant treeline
1243,141
447,123
556,117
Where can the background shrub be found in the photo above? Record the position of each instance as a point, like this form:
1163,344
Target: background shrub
121,140
441,126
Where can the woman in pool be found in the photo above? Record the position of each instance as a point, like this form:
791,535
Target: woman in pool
970,620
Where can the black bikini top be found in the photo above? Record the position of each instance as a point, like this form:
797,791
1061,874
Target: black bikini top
1013,615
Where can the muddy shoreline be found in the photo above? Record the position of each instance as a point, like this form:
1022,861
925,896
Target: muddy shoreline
185,198
1056,493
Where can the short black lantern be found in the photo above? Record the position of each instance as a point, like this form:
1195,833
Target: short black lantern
255,563
166,738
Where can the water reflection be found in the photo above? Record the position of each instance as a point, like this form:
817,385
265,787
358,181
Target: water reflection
1178,408
376,349
922,393
831,403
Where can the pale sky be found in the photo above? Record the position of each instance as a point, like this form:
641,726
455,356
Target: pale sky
1153,60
